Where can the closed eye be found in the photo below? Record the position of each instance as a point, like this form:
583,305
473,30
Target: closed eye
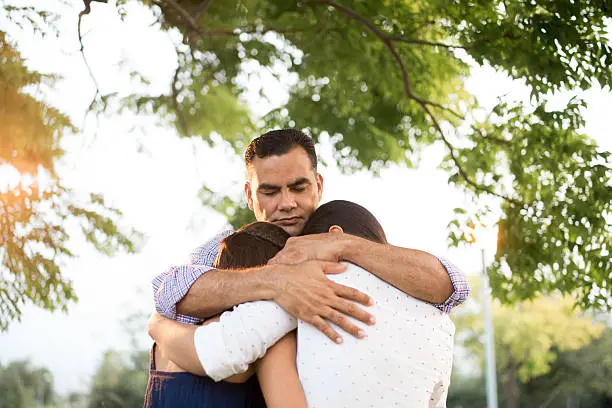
268,193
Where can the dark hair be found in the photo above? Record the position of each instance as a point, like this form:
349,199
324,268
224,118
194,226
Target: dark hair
353,218
252,245
279,142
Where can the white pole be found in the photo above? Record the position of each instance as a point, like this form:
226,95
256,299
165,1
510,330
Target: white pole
488,331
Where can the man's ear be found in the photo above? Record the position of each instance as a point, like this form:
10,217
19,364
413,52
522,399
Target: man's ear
248,194
320,185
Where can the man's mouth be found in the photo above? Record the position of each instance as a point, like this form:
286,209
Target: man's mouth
288,221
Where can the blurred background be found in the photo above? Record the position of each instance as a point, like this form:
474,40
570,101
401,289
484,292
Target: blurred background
472,130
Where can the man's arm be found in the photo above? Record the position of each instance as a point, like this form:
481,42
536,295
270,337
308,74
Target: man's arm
220,290
172,285
416,273
303,290
191,293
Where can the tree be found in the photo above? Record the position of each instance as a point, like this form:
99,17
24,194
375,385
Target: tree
577,378
529,337
466,392
383,80
22,386
38,213
120,384
121,379
585,374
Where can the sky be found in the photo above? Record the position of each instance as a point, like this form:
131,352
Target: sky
151,175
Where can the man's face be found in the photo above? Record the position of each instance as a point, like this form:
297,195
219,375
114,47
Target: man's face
284,190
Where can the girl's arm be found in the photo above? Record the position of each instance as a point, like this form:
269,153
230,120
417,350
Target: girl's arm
176,341
278,376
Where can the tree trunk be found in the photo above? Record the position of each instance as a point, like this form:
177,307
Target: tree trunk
510,387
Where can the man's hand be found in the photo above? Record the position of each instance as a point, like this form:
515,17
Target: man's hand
324,247
306,293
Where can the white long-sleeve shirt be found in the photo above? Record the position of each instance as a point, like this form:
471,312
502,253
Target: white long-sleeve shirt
405,361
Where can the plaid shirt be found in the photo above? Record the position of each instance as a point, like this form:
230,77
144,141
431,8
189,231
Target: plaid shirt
171,286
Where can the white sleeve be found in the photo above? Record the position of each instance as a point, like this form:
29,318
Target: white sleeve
241,336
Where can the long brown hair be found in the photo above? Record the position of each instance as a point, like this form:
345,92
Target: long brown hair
252,245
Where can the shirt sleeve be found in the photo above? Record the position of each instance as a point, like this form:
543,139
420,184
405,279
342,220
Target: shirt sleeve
241,336
461,287
172,285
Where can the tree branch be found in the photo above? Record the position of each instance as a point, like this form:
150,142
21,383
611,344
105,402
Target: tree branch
97,94
82,51
87,8
182,12
387,41
408,90
191,24
462,172
416,29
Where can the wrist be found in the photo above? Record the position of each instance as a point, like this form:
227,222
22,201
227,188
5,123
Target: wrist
348,247
269,281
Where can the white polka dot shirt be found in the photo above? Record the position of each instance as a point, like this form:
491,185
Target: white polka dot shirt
405,361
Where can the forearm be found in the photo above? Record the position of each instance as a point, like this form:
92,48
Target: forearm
278,376
416,273
220,290
227,347
176,341
172,285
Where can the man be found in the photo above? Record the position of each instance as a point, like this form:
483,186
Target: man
284,188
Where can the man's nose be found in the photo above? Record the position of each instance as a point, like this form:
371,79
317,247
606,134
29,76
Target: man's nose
287,201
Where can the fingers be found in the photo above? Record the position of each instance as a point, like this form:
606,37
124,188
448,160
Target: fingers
343,322
348,308
320,324
332,268
349,293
